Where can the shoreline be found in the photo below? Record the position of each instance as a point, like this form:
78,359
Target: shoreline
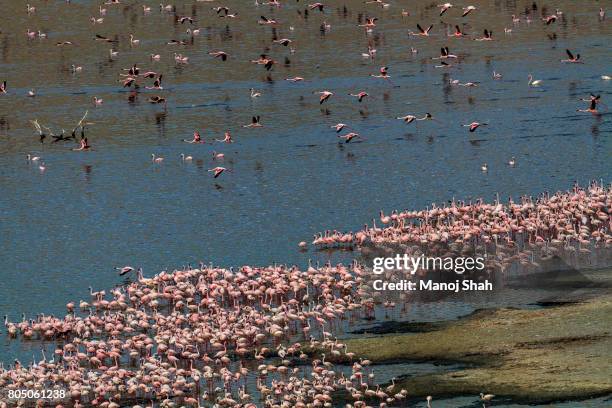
547,355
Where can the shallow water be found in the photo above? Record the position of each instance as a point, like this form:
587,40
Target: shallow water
64,229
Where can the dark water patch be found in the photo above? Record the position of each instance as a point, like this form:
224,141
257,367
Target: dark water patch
400,327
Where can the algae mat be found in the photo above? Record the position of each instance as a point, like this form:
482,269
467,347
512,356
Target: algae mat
536,356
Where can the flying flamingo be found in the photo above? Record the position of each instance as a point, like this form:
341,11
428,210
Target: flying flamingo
219,54
349,136
325,95
384,73
474,125
227,138
124,270
217,171
458,33
444,8
283,41
338,127
157,99
592,106
370,23
488,36
267,21
422,32
467,10
412,118
83,145
444,54
572,58
254,123
360,95
196,138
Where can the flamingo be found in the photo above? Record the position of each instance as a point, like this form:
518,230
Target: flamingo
133,41
283,41
488,36
571,58
487,397
254,122
474,125
422,32
156,159
531,82
458,33
360,95
467,10
218,54
349,136
124,270
217,171
325,95
444,8
339,126
412,118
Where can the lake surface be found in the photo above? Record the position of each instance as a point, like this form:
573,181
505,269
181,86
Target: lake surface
65,228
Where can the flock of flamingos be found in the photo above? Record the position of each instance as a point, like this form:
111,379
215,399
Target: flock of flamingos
134,77
269,336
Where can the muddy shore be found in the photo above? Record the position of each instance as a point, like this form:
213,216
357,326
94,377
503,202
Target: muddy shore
532,356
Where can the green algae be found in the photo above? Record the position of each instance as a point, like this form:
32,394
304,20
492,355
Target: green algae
552,354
